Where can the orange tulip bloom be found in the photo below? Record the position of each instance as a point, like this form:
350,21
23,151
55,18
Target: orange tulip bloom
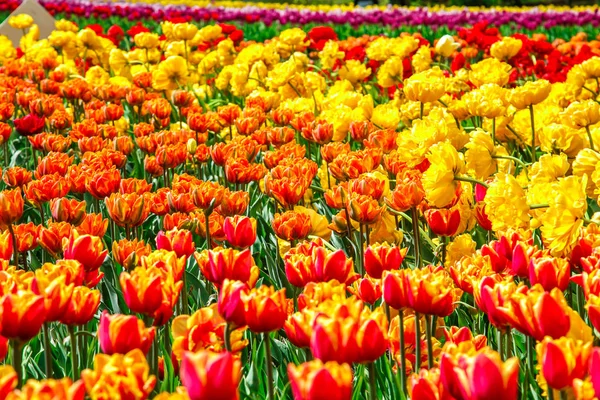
219,264
316,293
266,309
127,253
563,360
11,206
408,193
479,377
334,339
55,291
82,307
550,272
22,315
27,236
211,376
367,289
204,330
176,240
103,183
123,333
240,170
317,380
8,380
319,265
240,231
86,249
363,209
93,224
382,257
68,210
292,225
230,304
51,388
54,163
234,203
208,193
16,177
431,291
395,289
46,188
298,327
493,298
128,210
443,221
6,246
167,261
426,384
118,376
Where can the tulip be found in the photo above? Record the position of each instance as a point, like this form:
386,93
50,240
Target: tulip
479,377
127,253
395,289
230,303
128,210
29,125
22,315
382,257
363,209
266,309
563,360
123,333
292,225
166,261
56,292
334,339
427,385
103,183
16,177
240,231
234,203
595,369
367,289
6,246
56,389
11,206
443,222
298,327
550,272
219,264
82,306
118,376
210,376
65,210
86,249
8,380
178,241
315,380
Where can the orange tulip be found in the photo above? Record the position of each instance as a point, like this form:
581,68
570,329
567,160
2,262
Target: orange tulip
65,210
563,360
123,333
46,188
219,264
211,376
443,221
86,249
119,376
367,289
55,291
291,225
22,315
426,384
315,380
550,272
8,380
176,240
479,377
234,203
52,236
395,289
266,309
16,177
6,246
431,291
103,183
27,236
334,339
50,388
298,327
127,253
11,206
128,210
409,191
82,307
93,224
167,261
318,265
240,231
363,209
382,257
230,304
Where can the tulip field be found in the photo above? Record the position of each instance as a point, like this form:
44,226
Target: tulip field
231,201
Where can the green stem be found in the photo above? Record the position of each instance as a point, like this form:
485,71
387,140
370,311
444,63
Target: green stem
563,394
417,365
373,381
15,245
421,110
5,154
268,362
416,237
17,360
207,224
587,129
47,350
550,393
537,206
402,371
494,130
463,178
533,156
428,319
500,347
73,340
227,337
